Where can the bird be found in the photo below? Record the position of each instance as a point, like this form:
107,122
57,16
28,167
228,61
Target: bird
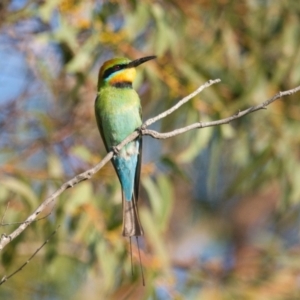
118,114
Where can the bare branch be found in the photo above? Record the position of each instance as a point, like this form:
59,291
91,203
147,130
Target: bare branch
239,114
180,103
5,239
5,278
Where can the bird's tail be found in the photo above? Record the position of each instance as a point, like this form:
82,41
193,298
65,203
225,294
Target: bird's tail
131,221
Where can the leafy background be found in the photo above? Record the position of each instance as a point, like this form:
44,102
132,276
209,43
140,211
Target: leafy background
220,206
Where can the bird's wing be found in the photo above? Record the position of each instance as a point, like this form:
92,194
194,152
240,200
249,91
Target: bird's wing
138,166
99,123
100,126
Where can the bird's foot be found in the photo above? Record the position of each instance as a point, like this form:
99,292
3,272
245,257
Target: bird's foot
116,150
141,130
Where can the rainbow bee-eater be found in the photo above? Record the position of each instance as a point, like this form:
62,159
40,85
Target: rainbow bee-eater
118,114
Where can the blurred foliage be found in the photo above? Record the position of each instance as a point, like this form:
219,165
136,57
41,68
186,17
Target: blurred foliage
220,206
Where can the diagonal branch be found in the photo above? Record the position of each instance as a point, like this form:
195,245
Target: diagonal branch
5,239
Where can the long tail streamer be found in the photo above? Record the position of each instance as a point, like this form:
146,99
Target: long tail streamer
142,271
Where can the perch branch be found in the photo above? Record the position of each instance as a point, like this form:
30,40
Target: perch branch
5,239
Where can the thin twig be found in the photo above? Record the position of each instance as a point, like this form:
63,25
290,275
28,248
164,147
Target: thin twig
5,239
19,223
180,103
5,278
239,114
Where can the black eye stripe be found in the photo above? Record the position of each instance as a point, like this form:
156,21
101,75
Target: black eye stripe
113,69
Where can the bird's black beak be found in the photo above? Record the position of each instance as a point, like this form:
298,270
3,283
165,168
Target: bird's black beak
140,61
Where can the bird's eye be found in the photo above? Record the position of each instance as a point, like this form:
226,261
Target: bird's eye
116,68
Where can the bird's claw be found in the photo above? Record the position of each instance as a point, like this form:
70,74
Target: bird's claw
141,129
115,150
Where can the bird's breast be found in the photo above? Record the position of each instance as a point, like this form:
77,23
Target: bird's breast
119,114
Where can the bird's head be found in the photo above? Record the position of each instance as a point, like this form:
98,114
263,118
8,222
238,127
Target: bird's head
120,70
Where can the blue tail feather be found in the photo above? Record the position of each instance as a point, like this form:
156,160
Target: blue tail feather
126,168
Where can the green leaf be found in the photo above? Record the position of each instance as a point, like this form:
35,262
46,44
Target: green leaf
83,56
45,12
80,195
155,238
55,167
167,196
81,152
161,199
20,188
154,196
199,142
3,193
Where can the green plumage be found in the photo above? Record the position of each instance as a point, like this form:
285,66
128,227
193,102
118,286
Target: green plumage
118,114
